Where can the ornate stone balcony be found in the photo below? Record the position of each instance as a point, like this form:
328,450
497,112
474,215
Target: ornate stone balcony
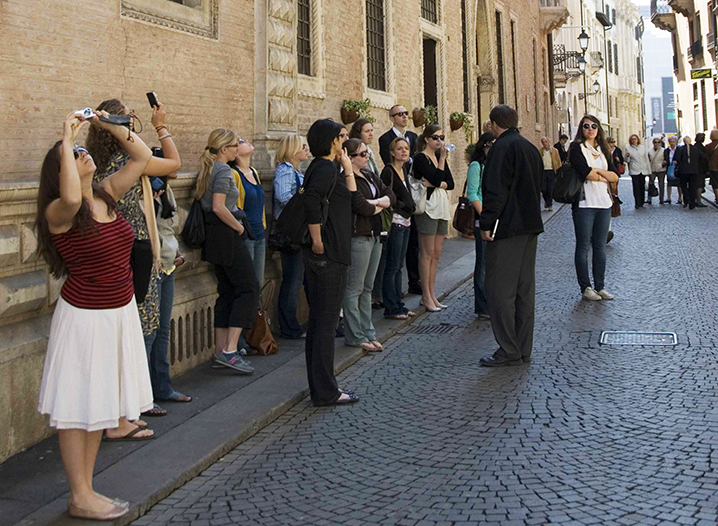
554,14
662,16
684,7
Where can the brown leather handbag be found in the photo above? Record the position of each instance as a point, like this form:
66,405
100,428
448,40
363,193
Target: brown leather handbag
465,215
260,336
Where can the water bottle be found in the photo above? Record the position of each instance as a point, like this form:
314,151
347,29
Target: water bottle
450,147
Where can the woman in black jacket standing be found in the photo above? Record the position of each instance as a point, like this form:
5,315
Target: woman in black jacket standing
398,242
328,258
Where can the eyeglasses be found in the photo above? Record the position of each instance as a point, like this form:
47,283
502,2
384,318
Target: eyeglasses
438,137
78,151
589,126
400,114
363,154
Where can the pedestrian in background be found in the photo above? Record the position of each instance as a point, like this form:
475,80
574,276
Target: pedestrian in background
658,171
396,246
616,154
669,156
590,156
95,375
431,167
224,247
561,147
511,223
327,260
288,179
477,161
639,166
688,165
712,155
551,163
702,170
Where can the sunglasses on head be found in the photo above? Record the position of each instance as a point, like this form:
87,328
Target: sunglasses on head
78,151
438,137
590,126
400,114
365,153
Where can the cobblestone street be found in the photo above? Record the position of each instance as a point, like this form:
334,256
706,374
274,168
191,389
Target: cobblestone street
585,434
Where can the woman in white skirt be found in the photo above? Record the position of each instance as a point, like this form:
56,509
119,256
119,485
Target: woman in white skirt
96,369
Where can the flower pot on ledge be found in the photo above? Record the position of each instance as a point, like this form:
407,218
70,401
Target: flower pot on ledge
349,116
456,124
418,117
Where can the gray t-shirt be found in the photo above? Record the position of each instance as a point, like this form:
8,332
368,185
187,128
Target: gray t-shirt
220,182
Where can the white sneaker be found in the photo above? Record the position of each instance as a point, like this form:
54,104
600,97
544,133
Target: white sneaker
605,295
590,294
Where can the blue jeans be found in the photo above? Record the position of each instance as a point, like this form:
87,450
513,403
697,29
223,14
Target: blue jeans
258,251
591,226
292,278
395,249
480,304
365,256
157,343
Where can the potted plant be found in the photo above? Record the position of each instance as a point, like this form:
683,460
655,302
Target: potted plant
431,115
458,120
352,110
418,117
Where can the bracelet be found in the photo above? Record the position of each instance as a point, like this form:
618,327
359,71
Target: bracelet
158,128
165,136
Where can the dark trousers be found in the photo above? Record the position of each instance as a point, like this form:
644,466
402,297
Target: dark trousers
327,282
639,189
377,291
412,257
689,184
292,279
510,291
549,177
480,304
238,291
591,228
395,251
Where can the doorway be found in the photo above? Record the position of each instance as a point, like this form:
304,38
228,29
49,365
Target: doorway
431,96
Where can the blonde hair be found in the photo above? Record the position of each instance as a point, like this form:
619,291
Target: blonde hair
687,140
218,139
714,134
638,139
288,148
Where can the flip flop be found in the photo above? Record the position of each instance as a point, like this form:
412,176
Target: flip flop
397,316
175,397
129,437
155,411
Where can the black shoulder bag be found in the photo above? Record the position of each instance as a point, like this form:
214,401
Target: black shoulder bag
567,186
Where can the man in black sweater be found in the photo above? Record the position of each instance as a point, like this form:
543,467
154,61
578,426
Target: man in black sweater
510,223
561,147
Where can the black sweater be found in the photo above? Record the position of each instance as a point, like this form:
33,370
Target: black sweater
425,169
404,205
511,187
337,233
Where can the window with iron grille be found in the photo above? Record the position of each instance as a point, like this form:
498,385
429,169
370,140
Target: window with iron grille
429,10
376,51
615,58
464,56
610,56
500,59
304,37
613,16
537,104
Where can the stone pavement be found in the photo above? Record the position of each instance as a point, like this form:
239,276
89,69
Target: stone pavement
585,434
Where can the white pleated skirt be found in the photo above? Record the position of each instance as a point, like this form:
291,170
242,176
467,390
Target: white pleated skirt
96,368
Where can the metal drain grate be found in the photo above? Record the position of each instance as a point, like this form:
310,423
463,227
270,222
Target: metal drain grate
638,338
442,328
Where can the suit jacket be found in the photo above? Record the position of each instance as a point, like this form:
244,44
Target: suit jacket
556,160
667,156
385,143
688,164
563,154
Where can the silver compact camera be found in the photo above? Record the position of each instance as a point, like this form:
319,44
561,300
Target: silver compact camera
86,114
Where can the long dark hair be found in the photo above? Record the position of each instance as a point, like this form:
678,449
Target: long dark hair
101,144
478,154
429,130
600,136
49,191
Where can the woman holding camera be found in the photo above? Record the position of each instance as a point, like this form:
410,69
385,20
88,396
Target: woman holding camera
366,245
327,259
225,248
432,168
110,157
91,382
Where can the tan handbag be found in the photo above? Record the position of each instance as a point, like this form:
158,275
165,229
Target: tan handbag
260,336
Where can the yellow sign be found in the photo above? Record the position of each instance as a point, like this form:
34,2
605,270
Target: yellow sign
704,73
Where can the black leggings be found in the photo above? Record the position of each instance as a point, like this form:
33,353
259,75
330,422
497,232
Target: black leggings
639,188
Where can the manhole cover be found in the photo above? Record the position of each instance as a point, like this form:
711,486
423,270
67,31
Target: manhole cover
638,338
443,328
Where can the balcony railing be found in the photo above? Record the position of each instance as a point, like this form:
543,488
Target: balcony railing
711,41
675,64
695,50
662,15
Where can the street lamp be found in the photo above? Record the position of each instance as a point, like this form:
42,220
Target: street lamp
581,64
583,39
596,87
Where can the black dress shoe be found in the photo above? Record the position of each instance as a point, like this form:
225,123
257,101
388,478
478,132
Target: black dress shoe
415,290
351,398
499,359
701,205
526,359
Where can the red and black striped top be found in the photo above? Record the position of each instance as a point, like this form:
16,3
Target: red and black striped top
98,264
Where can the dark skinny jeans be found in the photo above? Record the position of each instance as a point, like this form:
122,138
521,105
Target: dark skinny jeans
480,304
292,279
395,250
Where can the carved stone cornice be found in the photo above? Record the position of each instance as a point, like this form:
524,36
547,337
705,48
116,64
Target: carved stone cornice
202,22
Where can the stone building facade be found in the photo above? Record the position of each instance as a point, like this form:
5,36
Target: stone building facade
263,68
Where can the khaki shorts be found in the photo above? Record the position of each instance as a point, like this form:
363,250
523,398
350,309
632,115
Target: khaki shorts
426,226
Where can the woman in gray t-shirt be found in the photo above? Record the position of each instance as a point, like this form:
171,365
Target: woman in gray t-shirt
237,286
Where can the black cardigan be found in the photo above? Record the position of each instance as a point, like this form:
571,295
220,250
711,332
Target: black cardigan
425,169
578,162
404,205
511,187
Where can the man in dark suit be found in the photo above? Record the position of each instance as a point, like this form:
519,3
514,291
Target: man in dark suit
668,158
689,162
399,117
511,223
561,147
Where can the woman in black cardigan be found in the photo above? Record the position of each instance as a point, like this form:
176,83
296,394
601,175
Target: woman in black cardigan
398,242
327,260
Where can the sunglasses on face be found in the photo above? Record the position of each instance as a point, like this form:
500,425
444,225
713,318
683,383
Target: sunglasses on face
488,145
590,126
438,137
79,151
400,114
363,154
